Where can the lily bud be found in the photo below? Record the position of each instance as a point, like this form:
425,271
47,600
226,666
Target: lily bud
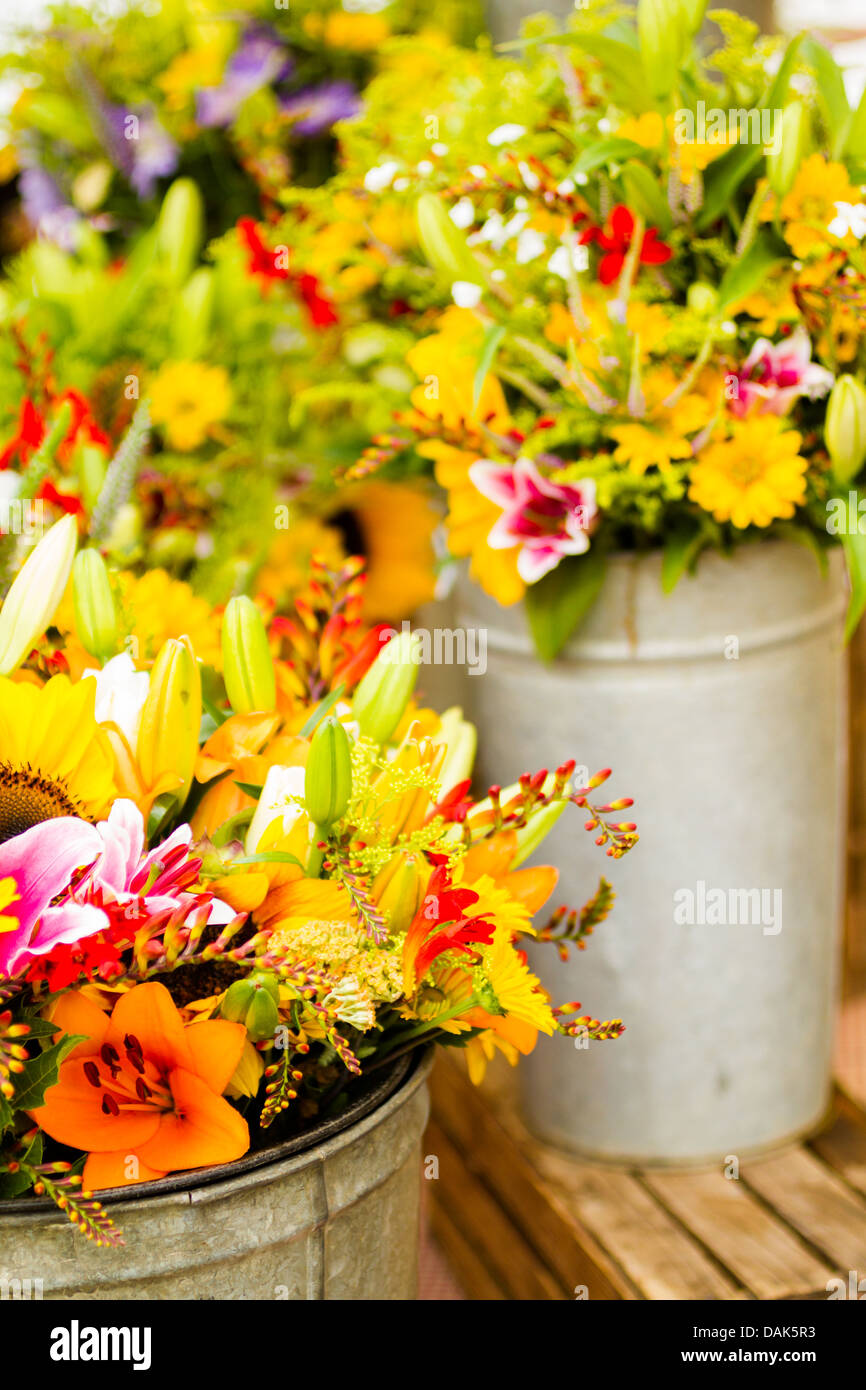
171,718
845,428
662,35
383,695
398,889
37,590
461,741
180,229
253,1002
328,774
248,667
444,247
192,315
783,163
95,610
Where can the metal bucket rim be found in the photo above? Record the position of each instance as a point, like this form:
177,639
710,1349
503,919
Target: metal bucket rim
401,1080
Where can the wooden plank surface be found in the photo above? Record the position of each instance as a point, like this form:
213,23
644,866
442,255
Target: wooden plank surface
815,1202
759,1249
470,1269
843,1144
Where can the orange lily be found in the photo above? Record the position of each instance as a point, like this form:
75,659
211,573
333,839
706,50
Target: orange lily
143,1095
492,856
245,747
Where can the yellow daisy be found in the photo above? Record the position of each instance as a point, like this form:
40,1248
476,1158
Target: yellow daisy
155,607
187,399
754,477
55,760
518,991
810,206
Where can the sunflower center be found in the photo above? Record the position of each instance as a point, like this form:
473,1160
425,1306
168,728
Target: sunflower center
27,798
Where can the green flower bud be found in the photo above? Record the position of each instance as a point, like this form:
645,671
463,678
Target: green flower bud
95,610
237,1000
782,164
398,889
191,317
662,35
248,667
180,229
443,245
328,774
262,1016
845,428
383,695
701,298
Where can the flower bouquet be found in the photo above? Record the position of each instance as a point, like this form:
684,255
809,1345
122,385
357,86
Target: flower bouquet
650,285
240,868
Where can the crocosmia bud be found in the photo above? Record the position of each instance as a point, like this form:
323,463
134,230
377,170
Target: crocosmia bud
845,428
383,695
328,774
248,667
95,610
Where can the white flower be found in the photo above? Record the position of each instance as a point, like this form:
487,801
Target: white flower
378,178
529,245
465,294
566,187
121,691
506,134
281,800
425,168
478,171
564,261
439,149
497,232
463,213
850,217
529,176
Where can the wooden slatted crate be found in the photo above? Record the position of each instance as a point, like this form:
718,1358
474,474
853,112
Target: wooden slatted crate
520,1220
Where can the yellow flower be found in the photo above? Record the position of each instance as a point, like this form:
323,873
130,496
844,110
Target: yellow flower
396,524
810,206
665,433
188,71
55,760
287,569
155,607
691,157
753,478
8,895
648,129
187,398
518,991
648,322
356,33
445,363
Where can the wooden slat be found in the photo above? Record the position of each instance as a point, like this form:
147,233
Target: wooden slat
469,1268
843,1144
596,1227
512,1261
816,1202
537,1213
754,1245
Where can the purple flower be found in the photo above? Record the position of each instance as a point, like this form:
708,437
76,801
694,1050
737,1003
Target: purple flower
46,208
259,60
155,154
316,109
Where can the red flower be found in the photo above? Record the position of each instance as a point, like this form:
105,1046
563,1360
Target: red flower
615,239
440,925
32,429
264,263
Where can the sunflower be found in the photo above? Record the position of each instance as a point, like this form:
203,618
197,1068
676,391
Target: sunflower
56,760
754,477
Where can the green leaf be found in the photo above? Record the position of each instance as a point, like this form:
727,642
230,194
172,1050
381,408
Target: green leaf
492,338
681,549
747,274
725,175
322,709
854,545
830,86
40,1073
855,139
623,69
270,856
644,195
558,602
249,788
604,152
13,1184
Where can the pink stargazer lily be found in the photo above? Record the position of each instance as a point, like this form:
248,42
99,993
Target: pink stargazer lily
75,880
775,374
545,519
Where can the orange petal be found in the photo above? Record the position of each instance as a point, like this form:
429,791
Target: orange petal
306,897
492,856
532,887
243,891
216,1046
72,1114
238,736
74,1013
148,1013
111,1169
204,1129
521,1035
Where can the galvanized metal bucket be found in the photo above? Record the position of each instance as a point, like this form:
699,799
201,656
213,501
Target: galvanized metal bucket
337,1220
722,709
